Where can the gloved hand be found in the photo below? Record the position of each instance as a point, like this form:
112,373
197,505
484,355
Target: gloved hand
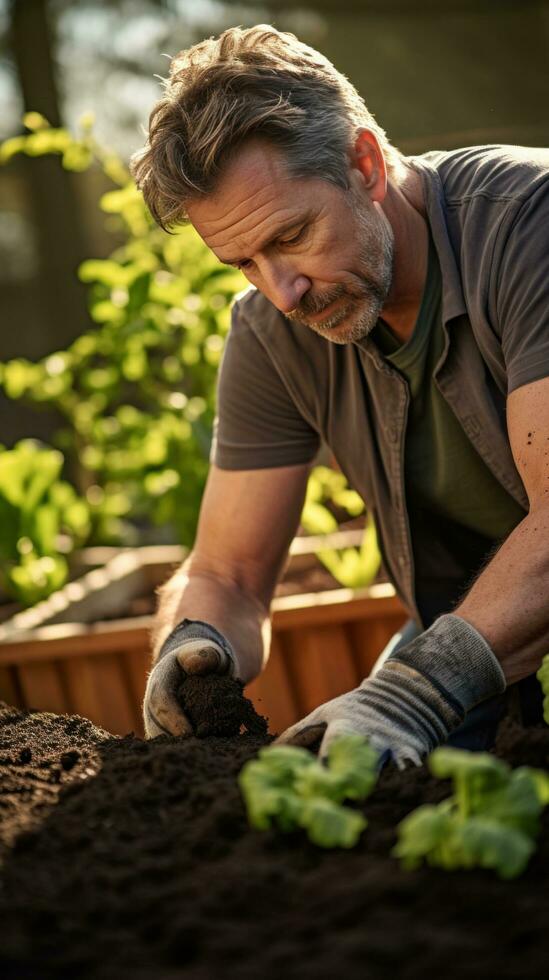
417,697
193,647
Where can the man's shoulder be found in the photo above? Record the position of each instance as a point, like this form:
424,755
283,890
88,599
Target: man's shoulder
498,171
251,308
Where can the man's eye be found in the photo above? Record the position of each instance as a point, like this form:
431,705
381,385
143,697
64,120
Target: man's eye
294,239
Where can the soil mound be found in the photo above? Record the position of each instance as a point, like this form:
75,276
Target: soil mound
125,858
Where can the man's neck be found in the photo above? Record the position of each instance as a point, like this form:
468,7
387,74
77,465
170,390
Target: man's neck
404,206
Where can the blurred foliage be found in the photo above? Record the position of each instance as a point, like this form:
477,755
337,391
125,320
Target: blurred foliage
352,567
42,521
137,390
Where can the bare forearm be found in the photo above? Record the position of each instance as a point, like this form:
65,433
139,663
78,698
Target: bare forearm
195,593
508,602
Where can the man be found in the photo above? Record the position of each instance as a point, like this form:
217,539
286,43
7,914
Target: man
400,312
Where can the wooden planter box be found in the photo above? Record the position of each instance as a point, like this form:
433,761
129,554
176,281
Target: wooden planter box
59,656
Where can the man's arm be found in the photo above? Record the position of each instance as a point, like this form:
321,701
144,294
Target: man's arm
508,602
247,521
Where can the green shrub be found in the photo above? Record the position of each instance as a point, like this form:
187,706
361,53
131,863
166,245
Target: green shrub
137,390
42,521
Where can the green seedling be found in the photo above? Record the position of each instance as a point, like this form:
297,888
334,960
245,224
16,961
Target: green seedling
491,820
287,787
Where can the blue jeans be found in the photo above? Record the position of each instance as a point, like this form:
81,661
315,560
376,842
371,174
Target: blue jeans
523,701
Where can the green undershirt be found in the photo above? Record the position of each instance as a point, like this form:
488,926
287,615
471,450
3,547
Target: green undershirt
449,489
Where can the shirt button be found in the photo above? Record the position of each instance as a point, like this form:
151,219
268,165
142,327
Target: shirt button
392,433
401,560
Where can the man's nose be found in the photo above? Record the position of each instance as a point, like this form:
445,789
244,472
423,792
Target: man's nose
284,287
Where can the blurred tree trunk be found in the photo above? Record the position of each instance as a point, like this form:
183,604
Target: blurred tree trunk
60,236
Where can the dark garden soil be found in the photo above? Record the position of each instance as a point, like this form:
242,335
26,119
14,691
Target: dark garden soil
132,859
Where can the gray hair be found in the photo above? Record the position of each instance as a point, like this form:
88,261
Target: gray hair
256,82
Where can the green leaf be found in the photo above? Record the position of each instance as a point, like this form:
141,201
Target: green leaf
45,141
540,779
476,775
116,202
353,759
139,291
19,376
45,528
77,157
37,578
267,793
487,844
11,147
44,468
329,825
105,271
515,805
421,833
316,519
286,760
35,121
447,763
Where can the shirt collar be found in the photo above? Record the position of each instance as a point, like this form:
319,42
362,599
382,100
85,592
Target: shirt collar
453,304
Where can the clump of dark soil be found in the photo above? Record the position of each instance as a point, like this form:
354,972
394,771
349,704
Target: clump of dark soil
125,858
217,706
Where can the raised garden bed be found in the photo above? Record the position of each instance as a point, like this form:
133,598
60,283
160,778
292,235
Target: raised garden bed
79,653
125,858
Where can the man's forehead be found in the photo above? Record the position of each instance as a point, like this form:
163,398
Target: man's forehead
255,192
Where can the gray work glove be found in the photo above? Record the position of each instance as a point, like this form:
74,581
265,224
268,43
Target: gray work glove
193,647
416,698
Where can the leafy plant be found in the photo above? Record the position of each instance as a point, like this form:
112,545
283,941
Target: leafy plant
136,391
543,677
490,821
42,521
352,567
288,787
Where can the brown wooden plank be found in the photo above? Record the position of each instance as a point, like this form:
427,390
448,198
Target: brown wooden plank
272,692
321,665
73,640
9,690
81,686
42,687
116,698
337,605
138,665
369,638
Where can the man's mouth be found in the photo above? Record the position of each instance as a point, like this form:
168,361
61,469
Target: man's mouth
326,312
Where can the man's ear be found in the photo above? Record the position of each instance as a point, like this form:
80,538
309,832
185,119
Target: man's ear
368,159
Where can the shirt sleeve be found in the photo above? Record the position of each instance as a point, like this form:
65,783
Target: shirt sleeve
257,424
523,292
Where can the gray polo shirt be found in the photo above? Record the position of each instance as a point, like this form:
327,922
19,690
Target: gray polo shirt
282,388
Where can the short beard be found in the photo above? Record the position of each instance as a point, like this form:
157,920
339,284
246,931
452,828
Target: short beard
368,290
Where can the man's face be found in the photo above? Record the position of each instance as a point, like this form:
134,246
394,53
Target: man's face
321,255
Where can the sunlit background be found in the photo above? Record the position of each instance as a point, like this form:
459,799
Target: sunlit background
435,74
